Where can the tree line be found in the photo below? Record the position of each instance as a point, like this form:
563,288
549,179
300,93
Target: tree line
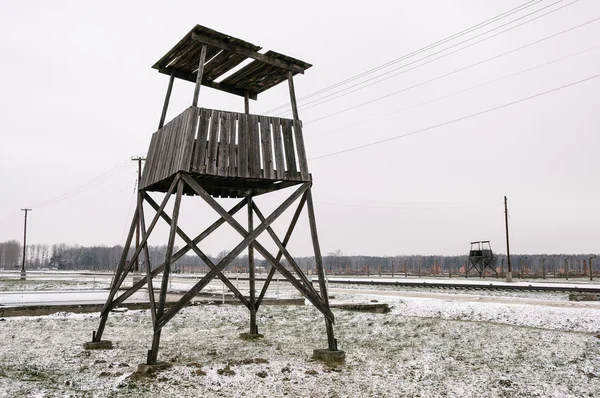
105,258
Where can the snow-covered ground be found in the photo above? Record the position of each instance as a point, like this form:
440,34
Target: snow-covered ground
429,345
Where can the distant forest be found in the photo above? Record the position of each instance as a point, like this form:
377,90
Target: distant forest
103,258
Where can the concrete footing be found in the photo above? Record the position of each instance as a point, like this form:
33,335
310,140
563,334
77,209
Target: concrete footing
329,356
155,367
251,336
98,345
509,276
23,275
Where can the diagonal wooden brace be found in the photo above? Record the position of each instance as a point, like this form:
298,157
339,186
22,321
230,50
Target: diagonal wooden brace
285,252
142,282
249,238
286,239
139,249
200,254
147,257
315,300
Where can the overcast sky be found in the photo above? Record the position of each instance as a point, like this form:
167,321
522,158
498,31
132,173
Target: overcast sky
78,98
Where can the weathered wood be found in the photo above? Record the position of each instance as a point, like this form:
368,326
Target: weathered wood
165,280
286,239
332,342
285,252
199,75
267,151
136,253
147,171
223,159
151,298
213,143
278,148
247,103
248,238
267,59
190,133
116,284
189,242
182,252
251,276
191,77
288,144
167,99
233,155
201,140
260,248
298,130
243,146
253,146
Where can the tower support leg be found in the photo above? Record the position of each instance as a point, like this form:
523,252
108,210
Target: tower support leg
251,271
153,354
331,340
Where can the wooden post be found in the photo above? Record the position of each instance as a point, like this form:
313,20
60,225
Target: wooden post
165,280
332,342
251,274
302,160
167,99
246,103
199,75
24,243
509,272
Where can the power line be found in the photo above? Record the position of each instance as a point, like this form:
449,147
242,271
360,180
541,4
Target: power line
87,186
392,206
435,44
457,92
447,74
457,120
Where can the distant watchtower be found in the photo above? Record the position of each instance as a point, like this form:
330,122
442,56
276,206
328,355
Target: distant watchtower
482,257
219,154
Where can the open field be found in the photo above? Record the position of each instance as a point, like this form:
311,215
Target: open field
429,345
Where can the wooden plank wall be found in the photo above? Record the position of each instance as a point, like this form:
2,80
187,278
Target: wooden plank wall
227,144
231,144
170,149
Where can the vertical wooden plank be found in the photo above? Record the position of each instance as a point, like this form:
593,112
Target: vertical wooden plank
253,146
166,155
288,145
201,140
278,147
150,157
301,150
267,152
231,171
242,145
213,143
171,155
223,160
181,141
190,132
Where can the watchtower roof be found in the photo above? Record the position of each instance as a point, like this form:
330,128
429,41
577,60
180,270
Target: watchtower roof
223,54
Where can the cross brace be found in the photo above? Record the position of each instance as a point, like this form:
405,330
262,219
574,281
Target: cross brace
161,315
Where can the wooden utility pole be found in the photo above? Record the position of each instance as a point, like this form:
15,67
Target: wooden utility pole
23,273
509,272
139,160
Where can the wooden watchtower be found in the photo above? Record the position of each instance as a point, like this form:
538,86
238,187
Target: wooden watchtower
218,154
481,257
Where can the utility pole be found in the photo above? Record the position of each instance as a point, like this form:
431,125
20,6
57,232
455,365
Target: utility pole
509,272
139,160
23,273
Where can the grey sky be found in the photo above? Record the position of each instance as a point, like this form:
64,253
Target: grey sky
79,98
